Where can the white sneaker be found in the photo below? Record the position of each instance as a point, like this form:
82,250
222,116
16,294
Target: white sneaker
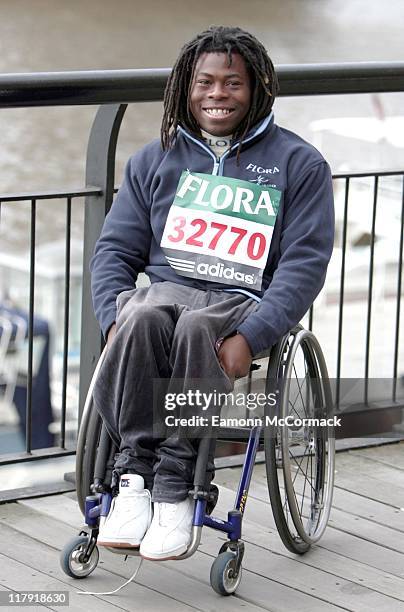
170,531
129,516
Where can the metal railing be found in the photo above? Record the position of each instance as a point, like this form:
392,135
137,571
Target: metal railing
347,179
59,197
114,90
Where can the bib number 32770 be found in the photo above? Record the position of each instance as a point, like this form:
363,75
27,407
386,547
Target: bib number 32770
224,238
220,229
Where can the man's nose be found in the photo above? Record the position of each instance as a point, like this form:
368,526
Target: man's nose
218,91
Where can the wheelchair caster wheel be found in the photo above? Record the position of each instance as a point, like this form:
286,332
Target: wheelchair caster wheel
71,558
224,577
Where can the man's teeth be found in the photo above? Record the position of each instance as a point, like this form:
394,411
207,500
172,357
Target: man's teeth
217,111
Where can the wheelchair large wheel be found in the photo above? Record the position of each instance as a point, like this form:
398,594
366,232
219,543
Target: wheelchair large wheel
87,442
299,458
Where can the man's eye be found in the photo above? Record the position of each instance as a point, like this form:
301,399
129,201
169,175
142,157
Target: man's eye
203,82
234,83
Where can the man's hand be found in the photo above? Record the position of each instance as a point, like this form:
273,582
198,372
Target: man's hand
111,335
235,357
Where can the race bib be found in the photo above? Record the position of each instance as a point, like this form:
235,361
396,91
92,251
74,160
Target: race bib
220,229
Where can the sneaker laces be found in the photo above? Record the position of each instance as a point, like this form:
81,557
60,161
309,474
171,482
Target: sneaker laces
167,512
123,504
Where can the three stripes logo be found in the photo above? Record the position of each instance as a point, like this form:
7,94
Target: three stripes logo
182,265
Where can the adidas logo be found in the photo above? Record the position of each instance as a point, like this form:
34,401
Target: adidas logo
219,270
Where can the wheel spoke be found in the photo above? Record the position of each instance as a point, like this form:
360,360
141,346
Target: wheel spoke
305,406
299,466
300,388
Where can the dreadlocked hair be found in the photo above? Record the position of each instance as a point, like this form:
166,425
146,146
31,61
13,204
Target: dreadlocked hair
218,39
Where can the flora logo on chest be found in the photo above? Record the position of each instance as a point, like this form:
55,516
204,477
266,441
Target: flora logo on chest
225,196
261,170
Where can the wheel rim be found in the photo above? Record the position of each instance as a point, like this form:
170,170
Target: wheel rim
230,581
77,566
307,452
273,449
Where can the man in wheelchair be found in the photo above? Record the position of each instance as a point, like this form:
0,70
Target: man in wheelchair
232,219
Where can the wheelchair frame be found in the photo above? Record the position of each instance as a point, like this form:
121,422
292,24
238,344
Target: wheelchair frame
300,520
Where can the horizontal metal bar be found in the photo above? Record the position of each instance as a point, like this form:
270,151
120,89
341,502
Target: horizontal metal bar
89,191
82,87
35,455
369,173
50,195
344,78
111,86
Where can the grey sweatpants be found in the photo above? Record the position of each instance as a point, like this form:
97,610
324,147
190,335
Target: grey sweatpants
166,332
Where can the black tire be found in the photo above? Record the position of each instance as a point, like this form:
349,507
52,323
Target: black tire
70,558
222,578
89,457
87,442
299,460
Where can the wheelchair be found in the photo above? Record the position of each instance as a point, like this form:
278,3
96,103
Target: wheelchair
299,461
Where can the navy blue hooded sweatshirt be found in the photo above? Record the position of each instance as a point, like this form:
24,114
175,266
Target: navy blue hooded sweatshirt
301,244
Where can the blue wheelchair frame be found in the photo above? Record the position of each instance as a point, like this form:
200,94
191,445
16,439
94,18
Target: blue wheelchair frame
99,505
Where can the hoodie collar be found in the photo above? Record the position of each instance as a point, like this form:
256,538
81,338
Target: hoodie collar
256,131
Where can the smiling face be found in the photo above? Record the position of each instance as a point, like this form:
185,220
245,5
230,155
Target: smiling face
220,94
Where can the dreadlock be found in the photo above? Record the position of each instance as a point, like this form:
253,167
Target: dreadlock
218,39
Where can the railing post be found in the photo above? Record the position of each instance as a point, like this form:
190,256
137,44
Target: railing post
100,172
